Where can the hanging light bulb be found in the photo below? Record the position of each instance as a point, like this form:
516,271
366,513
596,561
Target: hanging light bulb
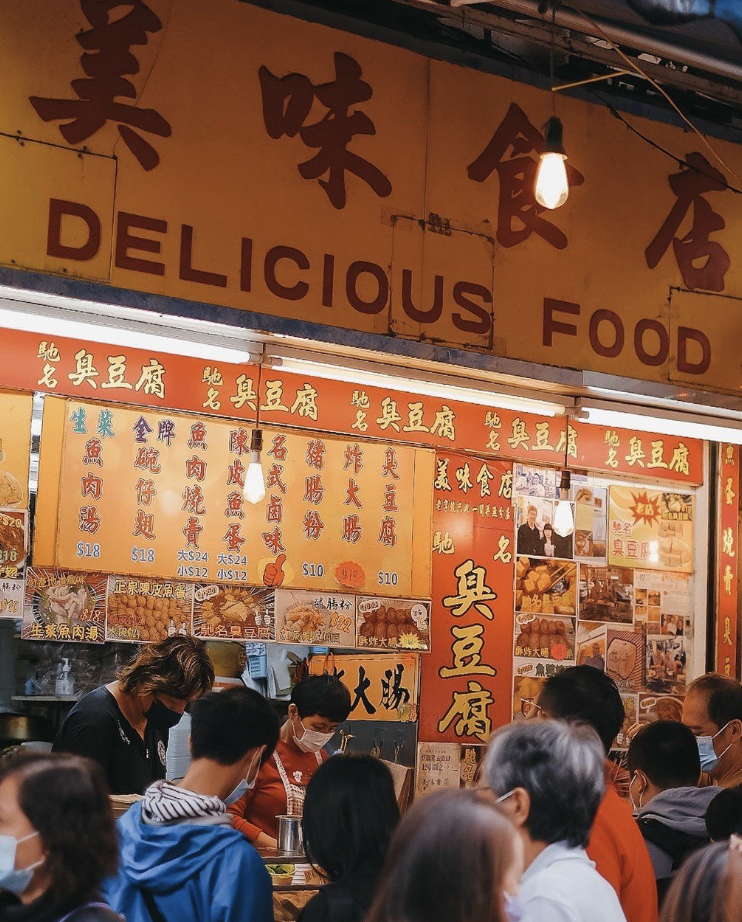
564,521
254,479
552,186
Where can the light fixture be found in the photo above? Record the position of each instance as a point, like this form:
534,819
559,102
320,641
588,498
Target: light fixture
412,381
662,421
564,520
51,316
552,185
254,479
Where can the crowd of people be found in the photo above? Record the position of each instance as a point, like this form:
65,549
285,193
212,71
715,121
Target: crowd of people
544,837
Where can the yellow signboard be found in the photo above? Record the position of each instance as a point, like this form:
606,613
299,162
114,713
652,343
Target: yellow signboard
154,494
341,180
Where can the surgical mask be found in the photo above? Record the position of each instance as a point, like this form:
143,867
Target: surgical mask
243,787
11,879
311,740
709,758
161,717
505,797
514,911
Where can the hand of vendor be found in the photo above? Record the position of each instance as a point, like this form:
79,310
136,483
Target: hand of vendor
265,841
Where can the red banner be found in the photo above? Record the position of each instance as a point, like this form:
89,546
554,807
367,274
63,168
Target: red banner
95,371
30,362
374,412
466,679
726,576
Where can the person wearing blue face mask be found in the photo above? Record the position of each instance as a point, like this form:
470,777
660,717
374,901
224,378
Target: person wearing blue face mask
181,859
124,725
57,840
713,710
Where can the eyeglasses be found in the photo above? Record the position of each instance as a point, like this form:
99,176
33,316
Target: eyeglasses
529,709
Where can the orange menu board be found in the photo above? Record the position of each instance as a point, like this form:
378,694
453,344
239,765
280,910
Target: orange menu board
160,494
650,529
15,449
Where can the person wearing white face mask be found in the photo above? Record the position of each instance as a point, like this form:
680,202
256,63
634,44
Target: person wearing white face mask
57,840
181,859
713,710
318,705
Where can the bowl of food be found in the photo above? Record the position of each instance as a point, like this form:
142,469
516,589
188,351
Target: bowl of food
281,874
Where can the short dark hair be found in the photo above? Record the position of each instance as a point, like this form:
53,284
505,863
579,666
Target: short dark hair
225,725
447,862
586,695
724,814
65,798
350,813
560,765
667,752
179,666
723,697
323,695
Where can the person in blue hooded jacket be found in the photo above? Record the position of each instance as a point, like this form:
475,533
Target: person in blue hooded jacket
181,860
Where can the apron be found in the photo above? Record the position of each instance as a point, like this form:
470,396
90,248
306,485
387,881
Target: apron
295,793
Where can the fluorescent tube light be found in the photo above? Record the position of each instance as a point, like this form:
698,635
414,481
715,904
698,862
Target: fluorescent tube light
413,382
663,422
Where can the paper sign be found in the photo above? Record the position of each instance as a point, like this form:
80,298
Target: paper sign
64,606
438,768
233,613
13,545
321,618
145,610
382,687
393,623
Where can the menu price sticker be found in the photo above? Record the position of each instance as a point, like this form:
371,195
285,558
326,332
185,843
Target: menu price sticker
64,606
243,613
350,574
147,611
391,624
323,618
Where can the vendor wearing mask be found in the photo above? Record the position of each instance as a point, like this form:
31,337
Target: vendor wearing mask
124,726
713,710
318,705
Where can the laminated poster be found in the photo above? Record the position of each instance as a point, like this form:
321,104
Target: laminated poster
13,545
535,481
383,686
147,610
528,679
591,523
666,664
64,606
322,618
546,586
392,624
591,644
659,707
535,535
631,717
547,637
663,602
650,529
624,659
234,613
607,594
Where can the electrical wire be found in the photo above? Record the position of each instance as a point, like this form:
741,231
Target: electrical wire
660,89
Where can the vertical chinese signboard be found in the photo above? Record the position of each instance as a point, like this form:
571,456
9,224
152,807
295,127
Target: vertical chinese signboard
726,579
466,679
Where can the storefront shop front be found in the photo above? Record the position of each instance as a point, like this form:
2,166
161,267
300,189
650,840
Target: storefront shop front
297,367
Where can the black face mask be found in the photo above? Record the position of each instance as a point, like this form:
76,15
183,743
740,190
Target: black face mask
161,717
